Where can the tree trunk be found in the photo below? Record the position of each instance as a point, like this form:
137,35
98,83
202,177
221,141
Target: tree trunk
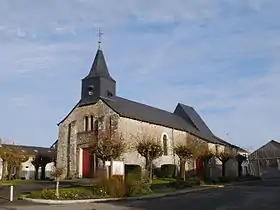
223,169
183,169
151,172
240,168
10,172
57,188
43,171
4,170
18,170
206,169
36,172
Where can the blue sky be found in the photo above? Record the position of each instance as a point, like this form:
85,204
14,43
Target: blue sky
220,56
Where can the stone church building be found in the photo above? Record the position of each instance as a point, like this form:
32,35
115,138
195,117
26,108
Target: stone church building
99,101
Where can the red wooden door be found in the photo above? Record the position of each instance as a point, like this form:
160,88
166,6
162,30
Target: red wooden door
199,169
87,164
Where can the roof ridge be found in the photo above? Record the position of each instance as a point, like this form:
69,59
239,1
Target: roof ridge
159,109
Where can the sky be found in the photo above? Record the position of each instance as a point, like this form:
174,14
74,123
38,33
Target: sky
220,56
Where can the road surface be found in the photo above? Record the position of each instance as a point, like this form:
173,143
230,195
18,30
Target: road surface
258,196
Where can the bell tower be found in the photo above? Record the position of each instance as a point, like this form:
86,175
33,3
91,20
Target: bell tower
98,83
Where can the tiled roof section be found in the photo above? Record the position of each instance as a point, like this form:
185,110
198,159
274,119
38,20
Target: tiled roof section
99,67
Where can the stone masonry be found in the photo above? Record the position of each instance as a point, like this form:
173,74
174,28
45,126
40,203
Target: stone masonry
68,142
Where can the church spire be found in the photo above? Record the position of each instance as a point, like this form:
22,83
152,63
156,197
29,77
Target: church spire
98,83
99,66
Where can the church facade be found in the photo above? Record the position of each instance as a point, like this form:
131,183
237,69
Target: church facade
99,101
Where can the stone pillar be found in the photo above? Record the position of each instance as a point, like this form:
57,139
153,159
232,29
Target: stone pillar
80,163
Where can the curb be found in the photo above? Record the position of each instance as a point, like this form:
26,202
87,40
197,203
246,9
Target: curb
99,200
240,183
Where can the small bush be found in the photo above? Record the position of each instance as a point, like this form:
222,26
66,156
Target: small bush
193,181
64,194
167,170
114,186
157,172
133,172
137,188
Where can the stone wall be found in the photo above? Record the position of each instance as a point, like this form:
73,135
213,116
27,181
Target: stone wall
69,143
75,121
132,129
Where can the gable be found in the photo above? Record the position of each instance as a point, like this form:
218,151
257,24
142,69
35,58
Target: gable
190,115
269,150
82,109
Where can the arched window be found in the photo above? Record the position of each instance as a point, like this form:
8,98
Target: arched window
86,123
164,141
91,122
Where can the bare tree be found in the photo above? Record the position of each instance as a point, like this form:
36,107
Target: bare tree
108,146
203,153
225,156
150,148
57,174
184,152
12,159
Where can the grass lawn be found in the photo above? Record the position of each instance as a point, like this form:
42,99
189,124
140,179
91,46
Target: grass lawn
69,193
14,182
163,181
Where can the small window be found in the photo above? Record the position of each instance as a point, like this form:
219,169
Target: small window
86,123
109,94
90,90
91,122
164,141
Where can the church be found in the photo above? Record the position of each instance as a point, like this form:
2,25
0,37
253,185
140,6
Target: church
99,100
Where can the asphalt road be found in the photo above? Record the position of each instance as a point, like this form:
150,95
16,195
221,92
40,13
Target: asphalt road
259,195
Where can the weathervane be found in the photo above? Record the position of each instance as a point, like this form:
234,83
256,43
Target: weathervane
99,38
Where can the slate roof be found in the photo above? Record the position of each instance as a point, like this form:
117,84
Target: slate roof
43,151
269,150
145,113
99,67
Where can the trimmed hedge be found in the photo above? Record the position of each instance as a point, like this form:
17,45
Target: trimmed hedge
167,170
133,171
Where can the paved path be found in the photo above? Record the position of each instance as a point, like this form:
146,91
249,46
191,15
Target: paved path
261,195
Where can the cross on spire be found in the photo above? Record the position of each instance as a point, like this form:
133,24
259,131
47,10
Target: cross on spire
99,38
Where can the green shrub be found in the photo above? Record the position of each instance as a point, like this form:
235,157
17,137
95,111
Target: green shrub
167,170
114,186
64,194
133,172
193,181
157,172
137,188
